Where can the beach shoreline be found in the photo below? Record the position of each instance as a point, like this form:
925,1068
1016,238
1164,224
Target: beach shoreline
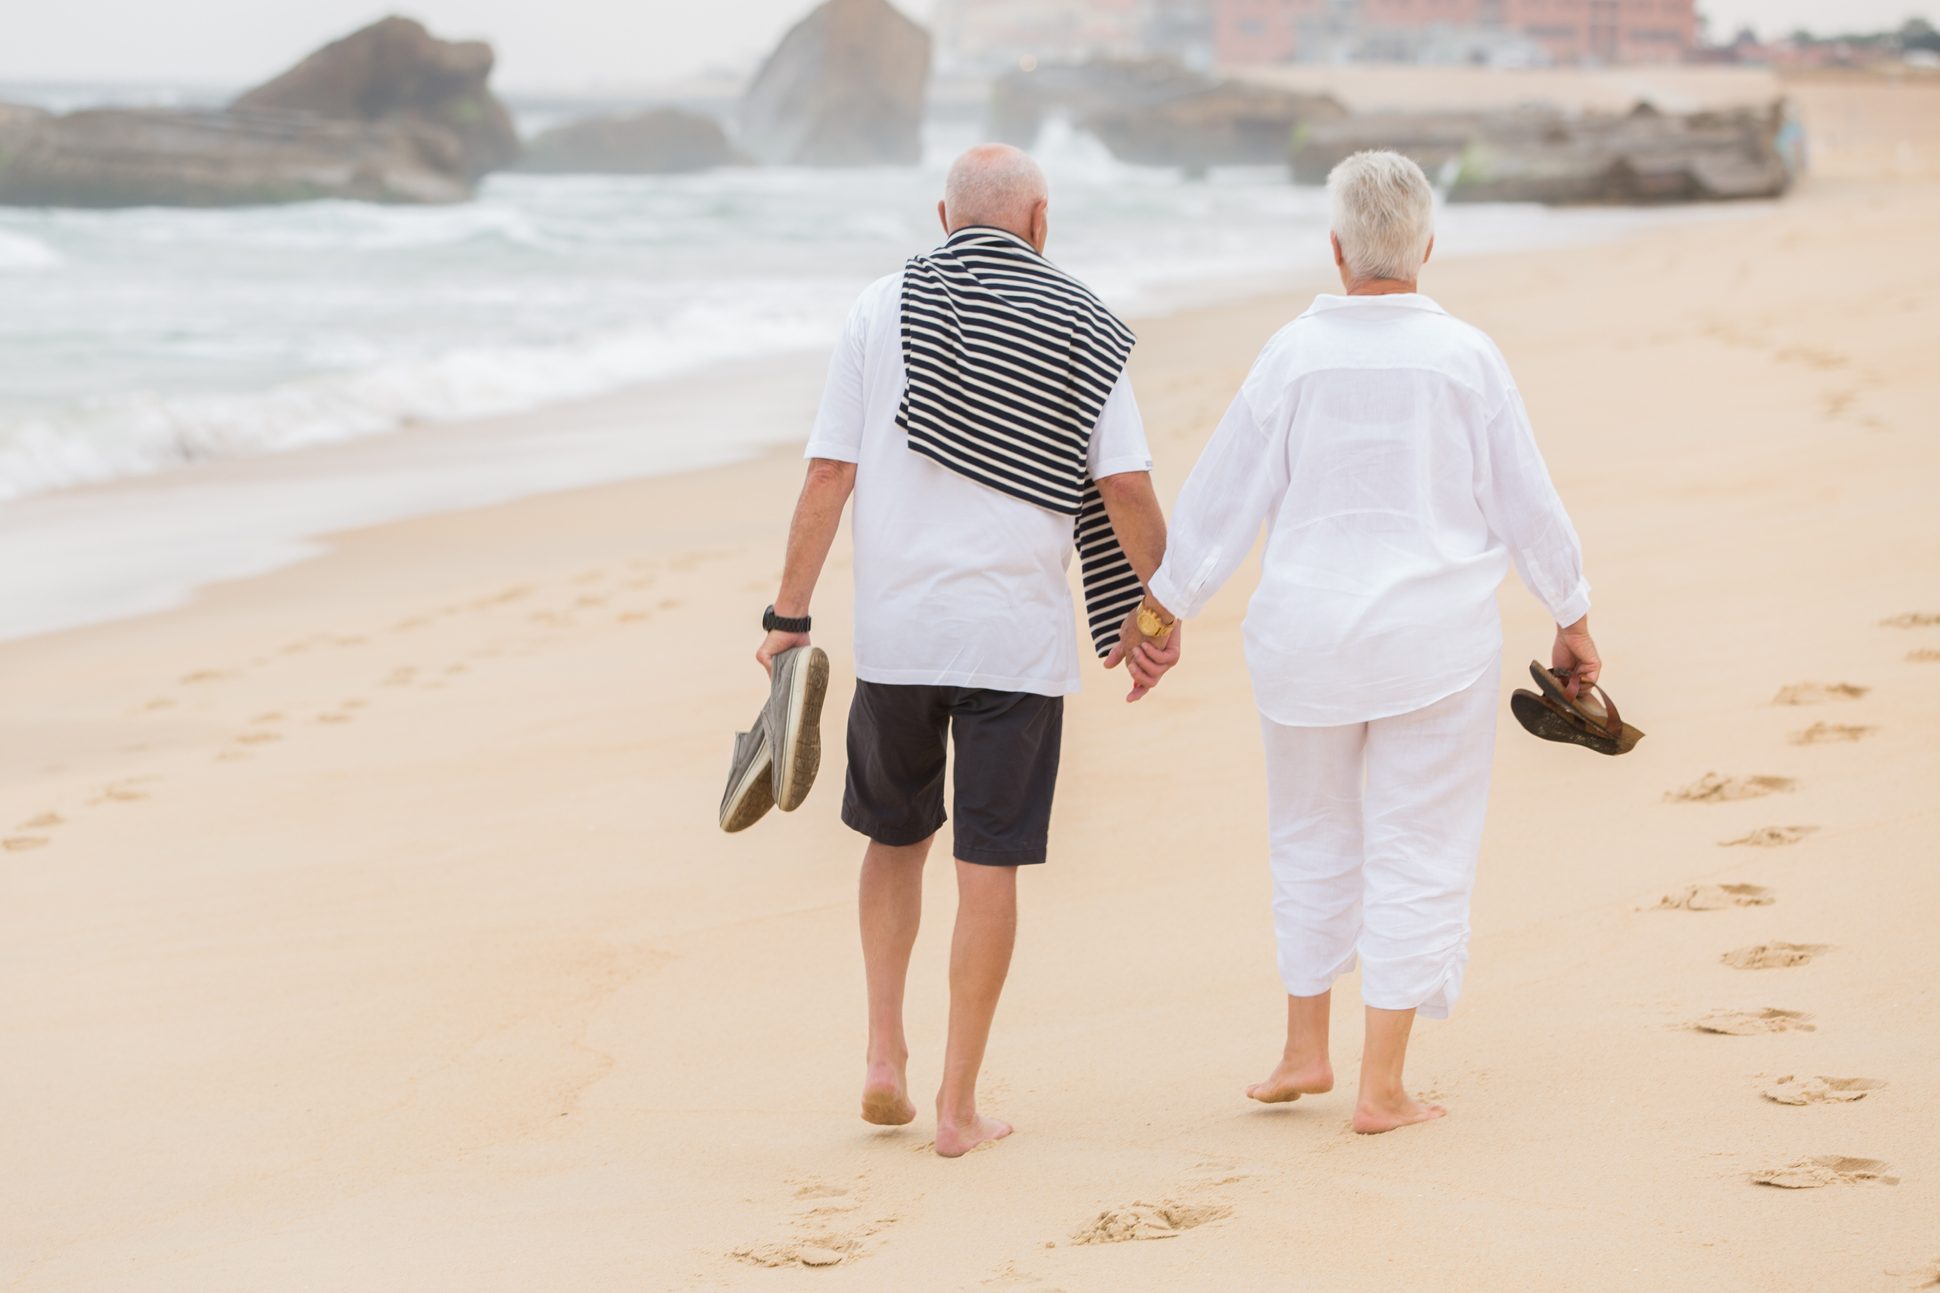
377,933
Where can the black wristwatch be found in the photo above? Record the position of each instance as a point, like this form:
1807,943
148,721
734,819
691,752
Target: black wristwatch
783,624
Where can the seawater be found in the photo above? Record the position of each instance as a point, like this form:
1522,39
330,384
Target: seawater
139,341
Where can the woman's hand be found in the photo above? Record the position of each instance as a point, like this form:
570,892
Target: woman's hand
1575,654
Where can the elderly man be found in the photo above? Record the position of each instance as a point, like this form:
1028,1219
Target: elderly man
1385,449
977,407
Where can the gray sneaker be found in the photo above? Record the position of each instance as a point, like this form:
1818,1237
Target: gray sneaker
793,722
751,782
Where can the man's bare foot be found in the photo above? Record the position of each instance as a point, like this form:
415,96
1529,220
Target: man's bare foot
885,1097
1372,1116
955,1139
1292,1079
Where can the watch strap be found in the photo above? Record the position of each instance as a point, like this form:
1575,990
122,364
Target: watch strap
784,623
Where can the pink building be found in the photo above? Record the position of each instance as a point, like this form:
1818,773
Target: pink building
1567,31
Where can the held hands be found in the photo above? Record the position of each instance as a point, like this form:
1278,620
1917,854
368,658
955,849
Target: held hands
1146,659
1575,653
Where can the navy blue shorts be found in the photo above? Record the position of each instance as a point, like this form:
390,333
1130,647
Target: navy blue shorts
1007,746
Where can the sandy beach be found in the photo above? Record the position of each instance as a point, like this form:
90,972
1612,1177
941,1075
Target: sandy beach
365,924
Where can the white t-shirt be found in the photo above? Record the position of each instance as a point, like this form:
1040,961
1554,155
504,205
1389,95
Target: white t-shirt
1383,446
956,585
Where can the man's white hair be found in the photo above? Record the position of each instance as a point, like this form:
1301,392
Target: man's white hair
1384,214
994,185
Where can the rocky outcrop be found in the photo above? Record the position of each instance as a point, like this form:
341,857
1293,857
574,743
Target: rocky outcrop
1155,113
664,141
396,71
128,157
1644,157
387,114
846,87
1545,155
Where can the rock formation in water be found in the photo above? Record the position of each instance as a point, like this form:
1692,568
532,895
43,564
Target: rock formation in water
1154,112
1546,155
395,70
119,157
847,86
663,141
388,114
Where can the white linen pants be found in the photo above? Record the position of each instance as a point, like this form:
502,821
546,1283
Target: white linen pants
1375,831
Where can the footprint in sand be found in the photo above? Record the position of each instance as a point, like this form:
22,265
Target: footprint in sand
43,822
1135,1221
635,617
1715,897
1827,1169
119,792
203,675
810,1250
1925,655
1829,733
1773,956
402,676
258,738
1818,1090
1748,1023
1912,620
21,843
262,719
1770,837
334,716
1714,788
160,702
1818,693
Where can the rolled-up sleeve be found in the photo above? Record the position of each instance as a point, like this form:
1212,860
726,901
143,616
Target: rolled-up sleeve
1523,509
1225,502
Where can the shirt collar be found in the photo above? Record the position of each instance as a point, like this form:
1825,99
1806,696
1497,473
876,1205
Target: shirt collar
1394,300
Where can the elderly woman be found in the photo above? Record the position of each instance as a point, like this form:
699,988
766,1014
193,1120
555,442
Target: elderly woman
1383,445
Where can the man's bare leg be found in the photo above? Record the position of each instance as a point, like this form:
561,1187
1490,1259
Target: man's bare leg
1384,1102
891,904
1304,1068
979,961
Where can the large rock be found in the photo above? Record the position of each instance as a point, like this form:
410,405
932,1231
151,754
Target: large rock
142,157
846,87
394,70
663,141
1156,113
1549,156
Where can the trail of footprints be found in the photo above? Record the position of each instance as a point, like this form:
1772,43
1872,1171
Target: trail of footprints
518,619
1789,1090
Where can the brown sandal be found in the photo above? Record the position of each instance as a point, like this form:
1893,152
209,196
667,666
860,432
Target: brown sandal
1589,720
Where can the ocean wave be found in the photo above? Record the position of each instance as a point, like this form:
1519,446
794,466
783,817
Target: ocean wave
141,433
19,252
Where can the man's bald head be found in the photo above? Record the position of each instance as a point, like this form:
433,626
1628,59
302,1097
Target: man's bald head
1000,187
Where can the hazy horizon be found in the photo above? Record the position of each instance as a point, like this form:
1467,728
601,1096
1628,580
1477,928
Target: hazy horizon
565,46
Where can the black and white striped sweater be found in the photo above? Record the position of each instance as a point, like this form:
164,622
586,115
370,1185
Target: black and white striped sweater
1010,362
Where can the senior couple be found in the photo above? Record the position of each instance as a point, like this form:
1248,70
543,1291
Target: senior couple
979,414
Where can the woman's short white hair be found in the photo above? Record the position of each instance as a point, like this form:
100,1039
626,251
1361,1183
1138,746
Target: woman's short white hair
1384,214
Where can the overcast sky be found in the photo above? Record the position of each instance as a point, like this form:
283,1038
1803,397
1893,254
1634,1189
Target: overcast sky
554,45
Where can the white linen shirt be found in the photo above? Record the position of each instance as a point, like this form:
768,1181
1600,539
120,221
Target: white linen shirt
956,584
1385,448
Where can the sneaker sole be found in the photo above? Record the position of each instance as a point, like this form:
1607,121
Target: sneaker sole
749,800
800,757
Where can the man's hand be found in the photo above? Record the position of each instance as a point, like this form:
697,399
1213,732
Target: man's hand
774,644
1575,654
1146,659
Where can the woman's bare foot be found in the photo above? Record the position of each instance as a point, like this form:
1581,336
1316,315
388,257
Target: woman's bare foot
955,1139
1375,1115
885,1097
1292,1079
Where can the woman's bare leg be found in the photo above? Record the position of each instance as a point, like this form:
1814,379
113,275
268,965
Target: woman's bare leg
1384,1102
1304,1068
